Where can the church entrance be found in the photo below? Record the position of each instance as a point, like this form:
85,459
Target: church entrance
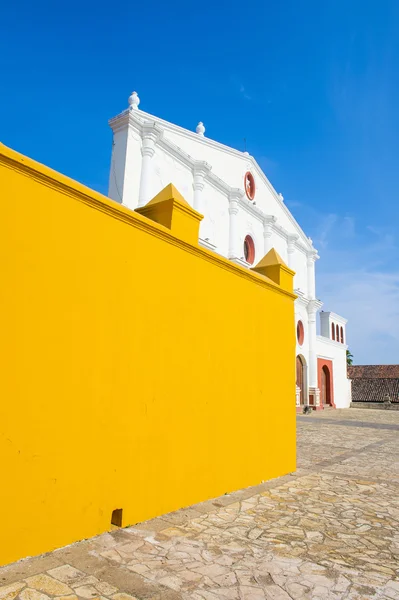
325,369
325,388
300,378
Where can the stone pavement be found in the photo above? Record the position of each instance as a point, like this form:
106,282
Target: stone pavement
329,531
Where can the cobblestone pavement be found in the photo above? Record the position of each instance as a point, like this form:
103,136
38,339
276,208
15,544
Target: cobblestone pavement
328,531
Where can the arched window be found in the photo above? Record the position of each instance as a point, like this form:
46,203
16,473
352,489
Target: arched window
249,250
342,335
333,331
337,336
300,332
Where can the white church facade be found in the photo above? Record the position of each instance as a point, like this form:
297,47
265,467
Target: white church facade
244,217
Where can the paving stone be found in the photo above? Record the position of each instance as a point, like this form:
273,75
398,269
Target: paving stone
31,594
66,574
86,591
48,585
9,592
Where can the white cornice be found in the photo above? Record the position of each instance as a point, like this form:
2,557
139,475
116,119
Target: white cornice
240,261
330,342
205,243
138,117
315,304
301,298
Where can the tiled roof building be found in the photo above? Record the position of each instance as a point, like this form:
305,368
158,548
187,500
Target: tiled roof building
374,383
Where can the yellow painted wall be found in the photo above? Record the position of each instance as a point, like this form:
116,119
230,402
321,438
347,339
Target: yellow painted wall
137,371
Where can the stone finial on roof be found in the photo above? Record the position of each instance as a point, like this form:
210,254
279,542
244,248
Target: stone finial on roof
281,197
134,101
200,129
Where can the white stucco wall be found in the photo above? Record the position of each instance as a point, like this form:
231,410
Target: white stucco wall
215,224
167,169
125,168
231,166
327,319
336,352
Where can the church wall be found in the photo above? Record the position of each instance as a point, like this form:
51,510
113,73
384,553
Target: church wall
301,274
280,244
125,168
138,371
327,349
231,167
167,169
215,224
250,225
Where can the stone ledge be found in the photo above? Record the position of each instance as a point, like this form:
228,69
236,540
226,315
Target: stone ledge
375,405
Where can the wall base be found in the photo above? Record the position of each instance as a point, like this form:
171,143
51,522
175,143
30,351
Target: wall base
375,405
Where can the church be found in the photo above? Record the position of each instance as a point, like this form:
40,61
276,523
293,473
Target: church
244,218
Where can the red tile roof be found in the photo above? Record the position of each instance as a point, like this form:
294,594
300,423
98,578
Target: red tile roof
373,372
375,390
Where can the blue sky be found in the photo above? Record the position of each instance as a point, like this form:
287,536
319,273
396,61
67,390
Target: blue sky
313,86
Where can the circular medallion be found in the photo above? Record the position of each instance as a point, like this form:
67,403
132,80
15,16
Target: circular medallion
249,250
249,184
300,332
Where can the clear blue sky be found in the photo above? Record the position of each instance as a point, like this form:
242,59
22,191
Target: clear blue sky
313,86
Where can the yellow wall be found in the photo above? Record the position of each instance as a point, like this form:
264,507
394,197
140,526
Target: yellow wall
137,371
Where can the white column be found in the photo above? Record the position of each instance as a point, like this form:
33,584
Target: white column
291,239
234,251
268,223
297,396
311,259
312,371
200,170
150,135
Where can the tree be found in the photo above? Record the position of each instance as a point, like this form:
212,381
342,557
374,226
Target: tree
349,358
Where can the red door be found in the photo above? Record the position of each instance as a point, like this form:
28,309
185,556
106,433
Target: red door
325,386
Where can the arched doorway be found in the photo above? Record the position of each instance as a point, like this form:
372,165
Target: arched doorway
325,391
301,378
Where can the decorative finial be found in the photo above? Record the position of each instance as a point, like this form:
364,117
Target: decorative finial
281,197
134,101
200,129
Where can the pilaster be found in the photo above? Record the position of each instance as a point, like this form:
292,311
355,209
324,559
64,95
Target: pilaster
297,396
200,171
268,223
150,134
314,392
234,200
312,256
291,240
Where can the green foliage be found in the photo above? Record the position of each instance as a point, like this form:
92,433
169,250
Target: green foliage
349,358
